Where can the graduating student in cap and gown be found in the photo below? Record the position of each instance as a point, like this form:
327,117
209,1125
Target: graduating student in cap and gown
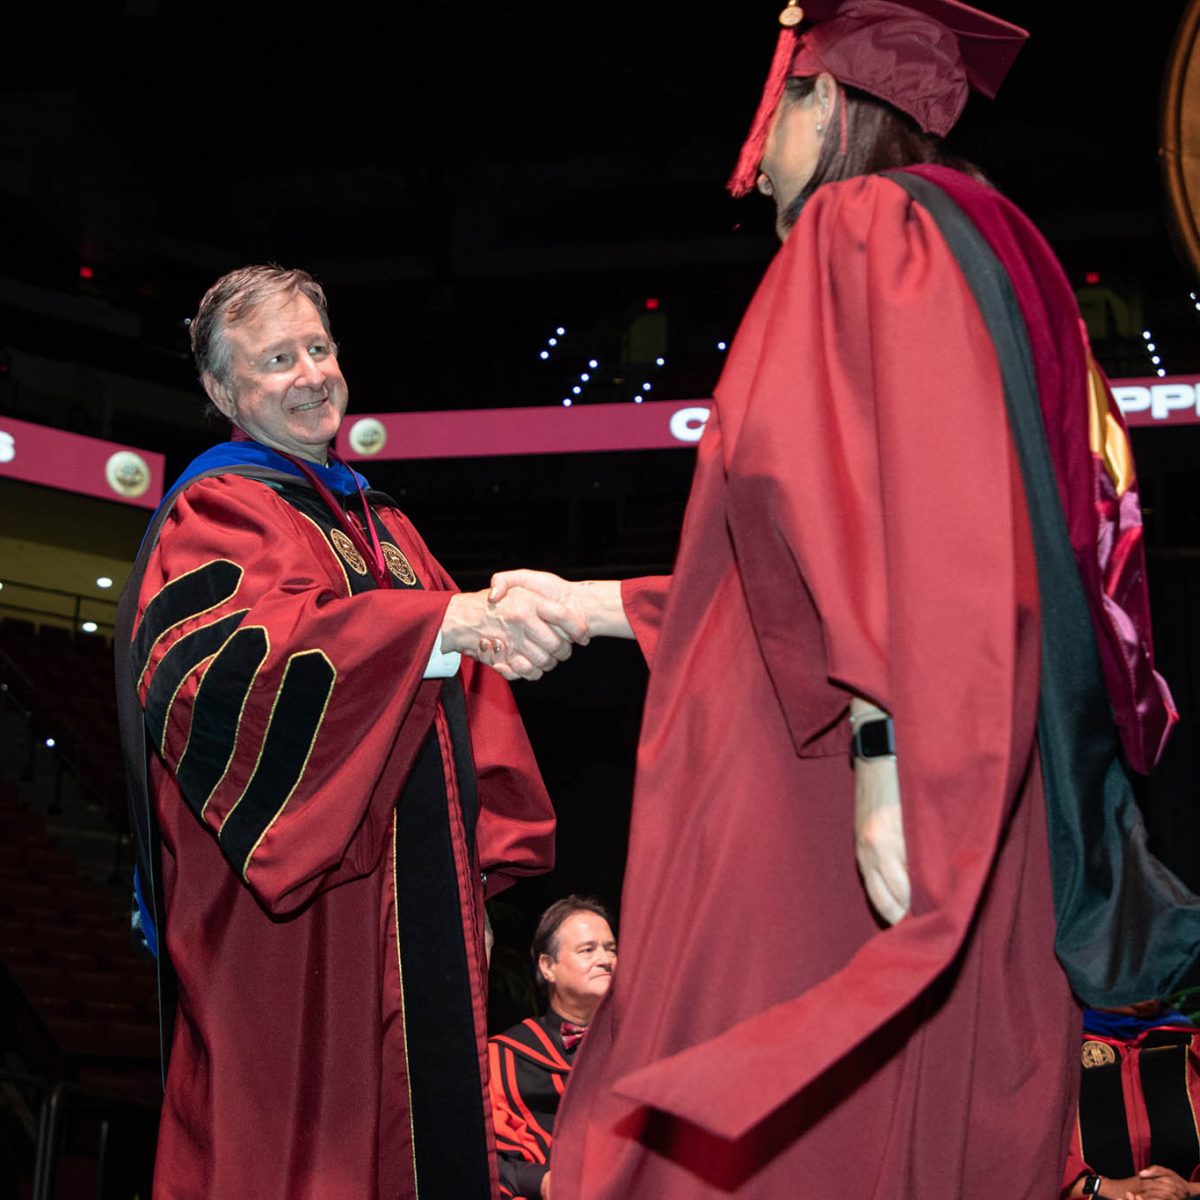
913,527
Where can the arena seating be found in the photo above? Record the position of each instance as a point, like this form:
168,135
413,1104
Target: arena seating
78,1013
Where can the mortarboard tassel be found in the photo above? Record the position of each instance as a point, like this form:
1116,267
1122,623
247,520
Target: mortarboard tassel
746,171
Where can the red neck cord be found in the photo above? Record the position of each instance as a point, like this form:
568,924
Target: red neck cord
373,552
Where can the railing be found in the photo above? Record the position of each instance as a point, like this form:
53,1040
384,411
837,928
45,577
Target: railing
124,1132
114,1131
50,606
26,1100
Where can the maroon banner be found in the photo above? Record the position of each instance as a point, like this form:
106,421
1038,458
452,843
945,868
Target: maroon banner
1159,402
485,432
654,425
74,463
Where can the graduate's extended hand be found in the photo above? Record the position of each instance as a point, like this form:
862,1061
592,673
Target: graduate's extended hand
523,634
597,601
879,837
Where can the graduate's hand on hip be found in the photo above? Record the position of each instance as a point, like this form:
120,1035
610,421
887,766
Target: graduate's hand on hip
879,837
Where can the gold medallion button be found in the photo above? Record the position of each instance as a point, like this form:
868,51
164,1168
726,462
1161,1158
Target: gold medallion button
398,564
1098,1054
346,548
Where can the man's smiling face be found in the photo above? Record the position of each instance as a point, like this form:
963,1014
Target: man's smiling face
285,388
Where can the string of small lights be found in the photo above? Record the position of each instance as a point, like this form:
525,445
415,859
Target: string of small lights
1152,351
642,390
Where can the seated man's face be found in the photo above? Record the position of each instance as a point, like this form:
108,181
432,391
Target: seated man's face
287,389
582,970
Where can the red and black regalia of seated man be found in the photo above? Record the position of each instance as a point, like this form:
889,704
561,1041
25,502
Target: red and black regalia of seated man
1138,1099
319,821
529,1066
914,491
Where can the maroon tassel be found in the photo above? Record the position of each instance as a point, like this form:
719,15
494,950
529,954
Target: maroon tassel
746,171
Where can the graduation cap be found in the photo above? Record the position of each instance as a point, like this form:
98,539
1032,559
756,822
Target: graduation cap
921,56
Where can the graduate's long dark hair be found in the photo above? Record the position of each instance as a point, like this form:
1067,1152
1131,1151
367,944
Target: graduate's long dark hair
878,137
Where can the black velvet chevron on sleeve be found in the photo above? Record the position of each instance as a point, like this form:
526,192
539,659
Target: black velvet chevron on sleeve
177,664
217,714
182,599
296,718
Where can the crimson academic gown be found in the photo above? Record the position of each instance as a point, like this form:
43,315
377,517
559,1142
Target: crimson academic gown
857,525
325,814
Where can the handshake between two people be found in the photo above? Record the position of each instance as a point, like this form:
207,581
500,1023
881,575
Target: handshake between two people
530,621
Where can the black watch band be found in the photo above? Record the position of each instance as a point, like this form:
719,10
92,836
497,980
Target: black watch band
874,737
1091,1185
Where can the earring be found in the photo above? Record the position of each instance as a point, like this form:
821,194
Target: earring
820,129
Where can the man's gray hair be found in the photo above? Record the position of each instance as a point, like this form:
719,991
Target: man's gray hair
236,296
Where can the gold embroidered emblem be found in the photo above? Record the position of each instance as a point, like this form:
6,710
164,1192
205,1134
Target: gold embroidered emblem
398,564
346,548
1098,1054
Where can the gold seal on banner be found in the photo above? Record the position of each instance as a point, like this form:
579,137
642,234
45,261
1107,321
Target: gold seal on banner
1098,1054
127,474
367,436
346,548
398,564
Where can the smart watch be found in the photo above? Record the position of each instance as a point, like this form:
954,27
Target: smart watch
1091,1185
874,738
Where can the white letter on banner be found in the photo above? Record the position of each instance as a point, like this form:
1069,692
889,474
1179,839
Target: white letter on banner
687,425
8,447
1132,399
1166,398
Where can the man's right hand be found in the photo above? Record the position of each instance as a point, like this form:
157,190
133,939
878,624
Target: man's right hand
522,634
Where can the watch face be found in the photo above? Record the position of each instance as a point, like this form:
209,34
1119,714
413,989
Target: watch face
874,739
